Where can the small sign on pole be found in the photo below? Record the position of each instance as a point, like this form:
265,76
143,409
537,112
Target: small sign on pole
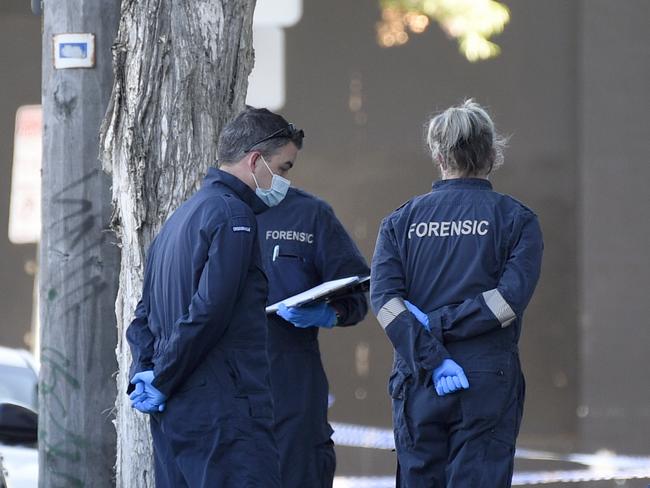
74,51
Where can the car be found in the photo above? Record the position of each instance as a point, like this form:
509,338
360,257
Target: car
18,419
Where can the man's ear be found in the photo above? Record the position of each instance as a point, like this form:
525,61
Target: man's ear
251,161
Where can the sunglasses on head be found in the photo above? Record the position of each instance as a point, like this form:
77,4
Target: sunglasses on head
289,132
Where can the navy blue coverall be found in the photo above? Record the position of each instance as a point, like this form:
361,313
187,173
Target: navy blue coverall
470,258
202,328
310,246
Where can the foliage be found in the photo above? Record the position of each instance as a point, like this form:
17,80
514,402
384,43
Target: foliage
471,22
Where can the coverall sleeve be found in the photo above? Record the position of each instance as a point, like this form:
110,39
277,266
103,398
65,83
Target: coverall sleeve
140,341
138,334
421,350
501,306
211,306
337,256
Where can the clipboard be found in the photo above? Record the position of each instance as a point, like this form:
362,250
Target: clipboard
325,291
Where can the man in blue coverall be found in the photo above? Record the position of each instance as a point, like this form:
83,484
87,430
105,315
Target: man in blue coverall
452,274
303,245
198,340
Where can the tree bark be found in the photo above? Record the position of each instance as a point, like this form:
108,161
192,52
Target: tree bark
79,260
180,72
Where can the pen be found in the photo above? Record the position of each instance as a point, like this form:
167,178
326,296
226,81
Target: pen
276,252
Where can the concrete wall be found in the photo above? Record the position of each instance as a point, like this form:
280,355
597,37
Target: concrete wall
615,225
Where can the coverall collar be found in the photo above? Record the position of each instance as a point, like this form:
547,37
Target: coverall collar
466,183
216,176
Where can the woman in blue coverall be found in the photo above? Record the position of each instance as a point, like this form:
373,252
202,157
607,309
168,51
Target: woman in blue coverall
452,274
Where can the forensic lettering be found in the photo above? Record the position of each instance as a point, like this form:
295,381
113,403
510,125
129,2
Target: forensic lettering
448,228
289,235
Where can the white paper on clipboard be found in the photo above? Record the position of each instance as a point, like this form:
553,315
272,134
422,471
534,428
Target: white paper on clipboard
321,291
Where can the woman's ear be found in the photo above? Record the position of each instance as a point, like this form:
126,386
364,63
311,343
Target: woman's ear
441,163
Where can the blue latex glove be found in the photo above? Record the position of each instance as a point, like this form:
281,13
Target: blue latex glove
146,397
449,377
319,315
138,394
419,314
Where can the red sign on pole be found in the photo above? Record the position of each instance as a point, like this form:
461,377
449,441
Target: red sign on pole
25,204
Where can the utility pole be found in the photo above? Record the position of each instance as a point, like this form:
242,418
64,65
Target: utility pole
79,256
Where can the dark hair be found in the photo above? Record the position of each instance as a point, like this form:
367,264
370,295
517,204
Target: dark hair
242,134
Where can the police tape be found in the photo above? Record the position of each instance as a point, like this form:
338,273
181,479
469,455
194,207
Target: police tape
576,476
519,479
364,482
351,435
601,466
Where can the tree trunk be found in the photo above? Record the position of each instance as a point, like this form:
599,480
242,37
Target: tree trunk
181,71
79,260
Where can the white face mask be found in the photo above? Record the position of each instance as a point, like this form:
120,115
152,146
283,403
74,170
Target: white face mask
279,188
